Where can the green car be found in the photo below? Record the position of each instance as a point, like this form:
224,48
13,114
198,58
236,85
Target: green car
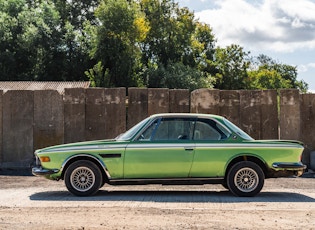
173,149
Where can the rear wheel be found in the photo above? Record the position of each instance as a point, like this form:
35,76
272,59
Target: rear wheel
83,178
245,179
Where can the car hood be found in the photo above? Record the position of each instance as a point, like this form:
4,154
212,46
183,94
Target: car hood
86,145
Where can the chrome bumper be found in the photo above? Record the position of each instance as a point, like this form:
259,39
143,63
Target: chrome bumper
289,166
39,171
297,168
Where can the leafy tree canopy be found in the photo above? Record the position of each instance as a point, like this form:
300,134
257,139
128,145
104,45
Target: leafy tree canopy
267,73
152,43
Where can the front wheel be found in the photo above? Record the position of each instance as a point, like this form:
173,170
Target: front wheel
245,179
83,178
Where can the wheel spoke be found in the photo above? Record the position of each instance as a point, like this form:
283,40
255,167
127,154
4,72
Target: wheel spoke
82,179
246,179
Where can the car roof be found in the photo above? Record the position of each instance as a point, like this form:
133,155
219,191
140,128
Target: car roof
188,115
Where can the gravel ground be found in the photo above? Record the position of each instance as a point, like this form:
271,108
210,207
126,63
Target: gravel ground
28,202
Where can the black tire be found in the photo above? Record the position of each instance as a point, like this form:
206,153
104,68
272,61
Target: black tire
224,184
83,178
245,178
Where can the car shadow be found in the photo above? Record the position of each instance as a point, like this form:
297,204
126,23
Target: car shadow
174,196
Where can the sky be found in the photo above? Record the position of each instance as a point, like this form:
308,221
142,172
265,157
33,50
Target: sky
281,29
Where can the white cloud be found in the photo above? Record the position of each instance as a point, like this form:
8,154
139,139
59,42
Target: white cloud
277,25
305,68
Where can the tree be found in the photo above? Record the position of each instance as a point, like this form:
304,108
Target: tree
174,35
26,39
267,79
77,12
38,44
175,41
170,31
231,65
73,41
266,73
152,43
177,76
120,30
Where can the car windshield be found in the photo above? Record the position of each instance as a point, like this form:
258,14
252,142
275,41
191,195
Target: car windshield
131,132
237,130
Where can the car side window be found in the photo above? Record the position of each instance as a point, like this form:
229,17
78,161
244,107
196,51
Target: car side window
169,129
148,133
207,129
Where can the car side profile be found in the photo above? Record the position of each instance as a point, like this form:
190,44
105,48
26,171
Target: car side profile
172,149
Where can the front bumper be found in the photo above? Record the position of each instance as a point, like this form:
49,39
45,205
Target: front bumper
39,171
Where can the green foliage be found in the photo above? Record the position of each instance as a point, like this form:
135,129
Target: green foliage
266,73
178,50
151,43
177,76
37,43
121,27
98,77
174,35
267,79
170,33
27,36
231,64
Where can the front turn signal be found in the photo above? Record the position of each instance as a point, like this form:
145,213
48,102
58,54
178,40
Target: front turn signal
44,159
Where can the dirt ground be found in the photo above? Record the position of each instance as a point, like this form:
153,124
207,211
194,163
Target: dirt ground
28,202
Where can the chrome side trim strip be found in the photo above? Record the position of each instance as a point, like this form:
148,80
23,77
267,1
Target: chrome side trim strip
207,145
84,148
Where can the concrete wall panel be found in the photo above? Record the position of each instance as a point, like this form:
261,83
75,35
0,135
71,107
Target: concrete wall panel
230,105
308,127
95,114
115,112
205,101
1,125
158,101
48,118
250,114
290,114
18,118
137,105
269,115
74,115
179,101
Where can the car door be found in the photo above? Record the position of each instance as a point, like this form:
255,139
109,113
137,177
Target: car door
163,150
211,150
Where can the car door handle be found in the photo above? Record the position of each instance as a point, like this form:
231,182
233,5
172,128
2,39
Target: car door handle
189,148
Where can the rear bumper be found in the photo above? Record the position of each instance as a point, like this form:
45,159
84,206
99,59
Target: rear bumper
282,169
289,166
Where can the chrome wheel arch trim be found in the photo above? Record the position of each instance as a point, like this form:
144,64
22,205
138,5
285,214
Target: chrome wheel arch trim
100,162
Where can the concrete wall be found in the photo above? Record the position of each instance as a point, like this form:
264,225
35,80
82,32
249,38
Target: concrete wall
35,119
